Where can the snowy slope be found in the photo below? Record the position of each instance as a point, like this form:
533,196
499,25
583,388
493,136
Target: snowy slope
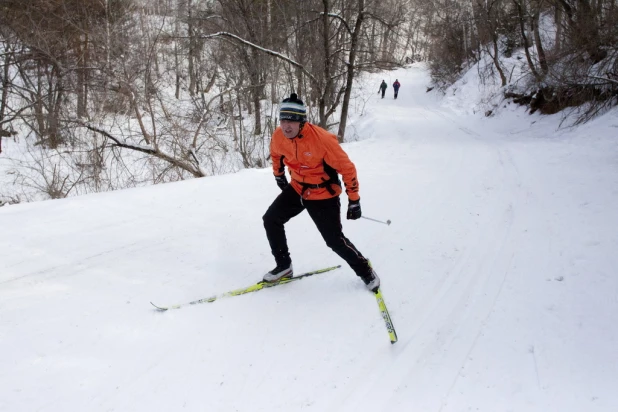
498,270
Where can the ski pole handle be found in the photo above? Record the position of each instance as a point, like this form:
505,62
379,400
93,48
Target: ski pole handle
388,222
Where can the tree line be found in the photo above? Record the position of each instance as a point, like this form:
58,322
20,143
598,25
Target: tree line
570,49
119,93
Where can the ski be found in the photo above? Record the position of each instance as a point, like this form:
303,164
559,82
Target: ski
390,328
249,289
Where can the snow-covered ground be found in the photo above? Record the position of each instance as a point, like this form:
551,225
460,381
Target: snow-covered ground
499,271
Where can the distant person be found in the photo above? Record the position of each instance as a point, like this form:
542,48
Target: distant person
315,160
396,86
382,89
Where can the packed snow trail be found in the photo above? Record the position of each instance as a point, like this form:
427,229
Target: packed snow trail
498,270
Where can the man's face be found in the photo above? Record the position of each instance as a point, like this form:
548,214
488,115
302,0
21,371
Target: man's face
290,128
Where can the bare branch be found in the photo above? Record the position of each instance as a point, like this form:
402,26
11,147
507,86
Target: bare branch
262,49
604,79
341,19
197,172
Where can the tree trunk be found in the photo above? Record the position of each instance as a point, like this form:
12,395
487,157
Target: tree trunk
53,113
258,114
108,48
558,22
522,29
256,90
81,104
327,91
583,29
177,68
5,86
496,58
192,47
350,74
40,129
372,44
82,63
537,40
589,31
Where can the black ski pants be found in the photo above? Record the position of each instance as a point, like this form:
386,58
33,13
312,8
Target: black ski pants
326,214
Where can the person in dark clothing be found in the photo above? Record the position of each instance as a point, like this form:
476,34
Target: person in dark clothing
396,86
382,89
315,160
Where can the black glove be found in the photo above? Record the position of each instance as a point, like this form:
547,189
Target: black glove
354,210
282,181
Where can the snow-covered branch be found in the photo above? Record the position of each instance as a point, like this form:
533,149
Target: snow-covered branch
604,79
195,171
341,19
262,49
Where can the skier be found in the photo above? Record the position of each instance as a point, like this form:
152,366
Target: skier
315,159
382,89
396,86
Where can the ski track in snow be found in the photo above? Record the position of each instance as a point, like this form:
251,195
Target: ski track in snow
454,312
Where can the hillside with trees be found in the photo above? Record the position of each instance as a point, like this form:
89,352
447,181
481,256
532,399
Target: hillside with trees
109,94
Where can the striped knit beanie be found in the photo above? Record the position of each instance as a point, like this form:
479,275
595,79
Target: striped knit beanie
293,109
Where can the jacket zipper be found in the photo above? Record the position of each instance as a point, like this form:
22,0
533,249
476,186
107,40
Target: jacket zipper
296,147
299,169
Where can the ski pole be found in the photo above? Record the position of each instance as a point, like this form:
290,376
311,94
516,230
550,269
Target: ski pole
388,222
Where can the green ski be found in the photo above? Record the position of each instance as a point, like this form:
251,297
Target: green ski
390,328
252,288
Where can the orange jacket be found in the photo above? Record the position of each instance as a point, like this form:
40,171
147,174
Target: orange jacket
314,157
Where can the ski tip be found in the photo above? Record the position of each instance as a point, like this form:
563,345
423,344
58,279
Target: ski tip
159,308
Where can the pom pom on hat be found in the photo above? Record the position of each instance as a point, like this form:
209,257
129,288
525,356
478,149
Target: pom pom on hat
292,108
